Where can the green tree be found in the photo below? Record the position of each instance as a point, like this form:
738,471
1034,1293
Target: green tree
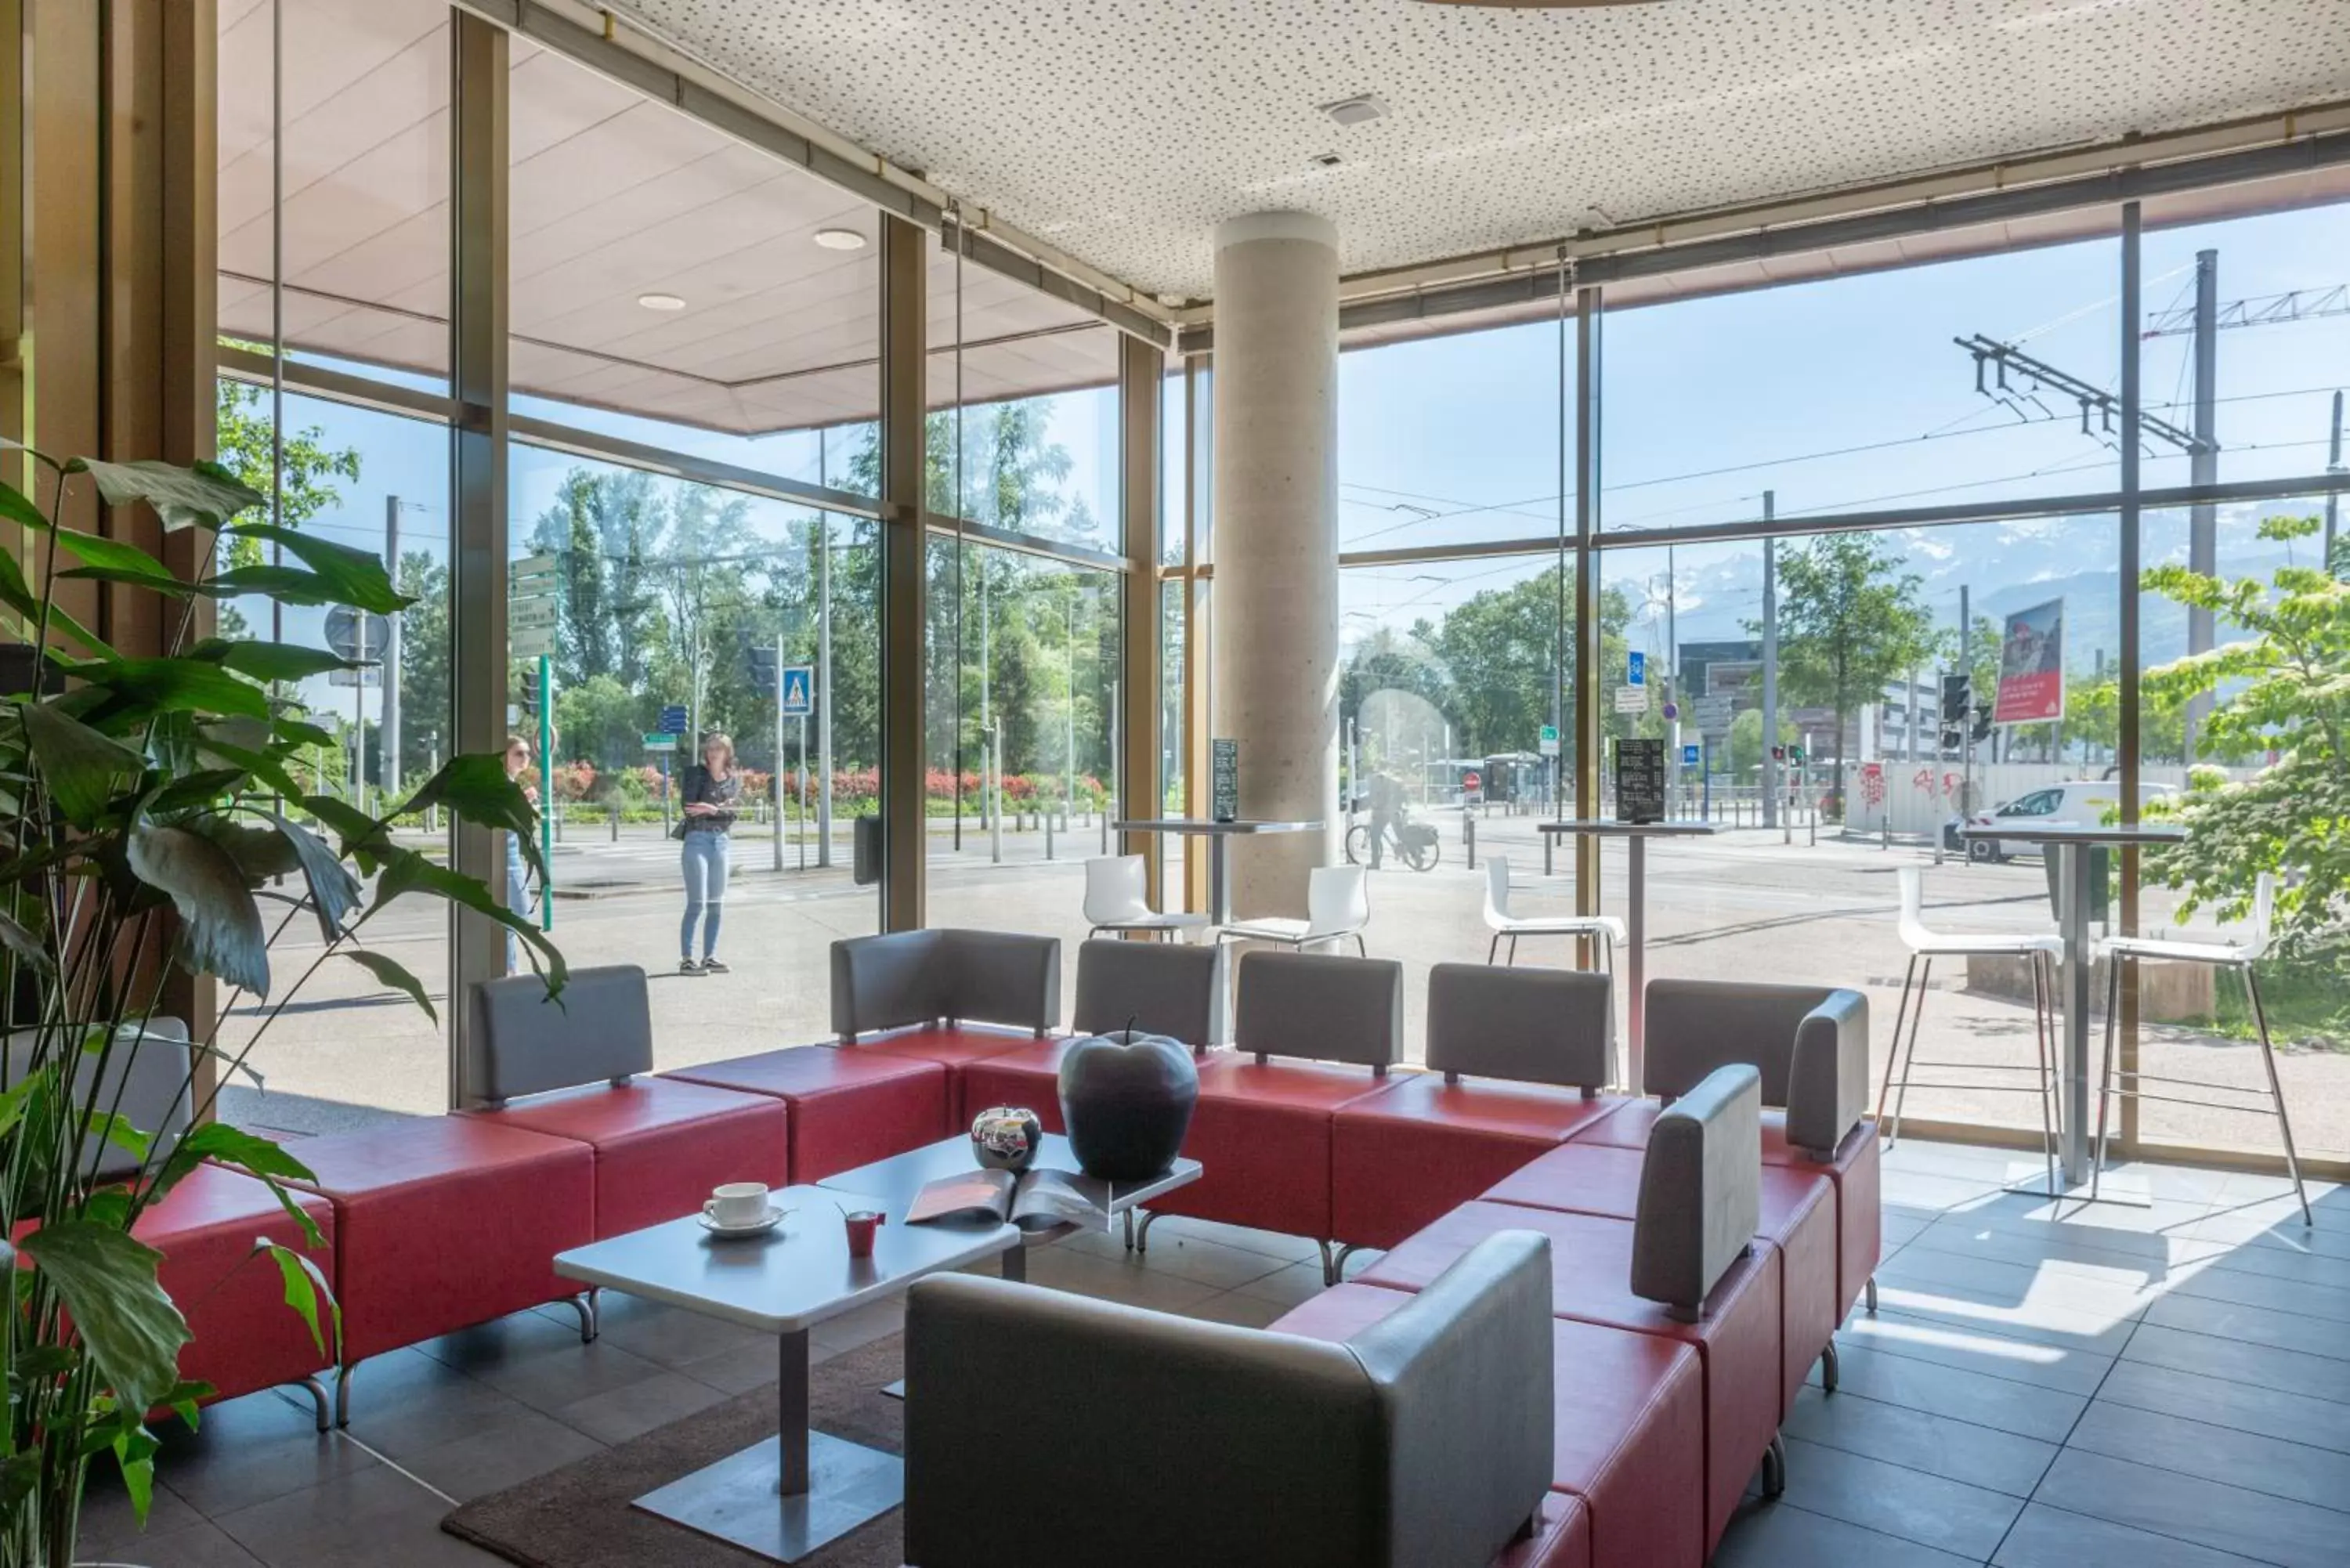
607,528
1850,622
242,432
2285,690
1746,741
424,690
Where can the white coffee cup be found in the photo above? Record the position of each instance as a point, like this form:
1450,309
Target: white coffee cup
738,1203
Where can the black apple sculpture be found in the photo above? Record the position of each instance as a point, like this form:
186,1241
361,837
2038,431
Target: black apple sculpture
1127,1099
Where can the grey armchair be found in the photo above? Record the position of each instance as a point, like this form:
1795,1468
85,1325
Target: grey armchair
1105,1434
903,978
1809,1043
1171,989
525,1042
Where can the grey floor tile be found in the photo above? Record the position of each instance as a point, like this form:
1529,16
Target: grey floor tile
666,1335
111,1527
2252,1325
2284,1263
617,1415
375,1518
2296,1298
1919,1440
2052,1327
251,1450
2048,1537
1216,1264
492,1451
1974,1346
2025,1287
1783,1535
2001,1403
1287,1249
1289,1287
1930,1510
2255,1461
2219,1402
2209,1513
2066,1248
198,1543
1134,1285
537,1361
1232,1307
850,1331
2321,1377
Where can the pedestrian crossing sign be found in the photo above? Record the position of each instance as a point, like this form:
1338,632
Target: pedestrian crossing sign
797,690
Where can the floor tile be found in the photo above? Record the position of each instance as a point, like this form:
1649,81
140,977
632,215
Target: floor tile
2252,1325
2284,1263
537,1361
2046,1537
2025,1287
1215,1263
1243,1310
1930,1510
492,1451
2323,1376
1919,1440
375,1518
1784,1535
1136,1285
2220,1402
1287,1249
196,1544
666,1335
2209,1513
251,1450
1298,1282
2256,1461
616,1416
111,1528
1973,1346
2069,1249
2001,1403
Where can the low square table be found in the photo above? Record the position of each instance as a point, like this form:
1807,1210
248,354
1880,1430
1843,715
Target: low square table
784,1497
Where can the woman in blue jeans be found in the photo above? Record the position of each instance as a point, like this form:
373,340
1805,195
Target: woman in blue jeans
518,879
712,792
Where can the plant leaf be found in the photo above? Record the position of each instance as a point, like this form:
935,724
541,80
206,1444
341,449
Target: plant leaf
203,495
407,871
269,660
22,942
475,785
127,1325
115,560
220,931
250,1152
306,1285
260,853
393,975
202,787
334,891
175,685
352,576
82,768
18,507
17,594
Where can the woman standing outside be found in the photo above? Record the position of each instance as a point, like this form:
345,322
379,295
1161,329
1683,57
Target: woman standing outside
517,881
712,791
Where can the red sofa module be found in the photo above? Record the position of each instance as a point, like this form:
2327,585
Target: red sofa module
958,1048
850,1107
1028,1075
441,1222
1855,1172
1406,1154
1629,1433
244,1335
660,1145
1737,1340
1261,1132
1798,1219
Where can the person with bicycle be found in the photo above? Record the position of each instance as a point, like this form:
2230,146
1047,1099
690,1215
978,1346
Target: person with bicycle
1387,811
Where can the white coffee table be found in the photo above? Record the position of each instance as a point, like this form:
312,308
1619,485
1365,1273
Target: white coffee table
784,1497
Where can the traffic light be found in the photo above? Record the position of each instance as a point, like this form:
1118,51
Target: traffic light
530,692
760,667
1778,754
1954,735
1957,696
1795,756
1983,721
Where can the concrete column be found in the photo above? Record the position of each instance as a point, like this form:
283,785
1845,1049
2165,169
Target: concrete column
1276,542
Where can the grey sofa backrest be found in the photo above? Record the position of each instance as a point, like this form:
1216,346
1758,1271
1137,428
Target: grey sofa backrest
150,1076
1316,1004
903,978
526,1043
1700,1190
1809,1043
1530,1025
1175,989
1423,1442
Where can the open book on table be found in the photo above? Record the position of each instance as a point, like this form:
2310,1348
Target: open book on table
1033,1199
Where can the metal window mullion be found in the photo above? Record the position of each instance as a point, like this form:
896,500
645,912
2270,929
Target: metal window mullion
477,488
1142,792
904,610
2129,709
1588,638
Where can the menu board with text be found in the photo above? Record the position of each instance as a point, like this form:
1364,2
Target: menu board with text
1639,781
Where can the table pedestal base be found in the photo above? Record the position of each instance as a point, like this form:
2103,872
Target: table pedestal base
737,1499
2125,1189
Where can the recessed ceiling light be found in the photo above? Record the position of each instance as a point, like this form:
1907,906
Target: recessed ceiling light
1358,111
1324,160
840,239
661,302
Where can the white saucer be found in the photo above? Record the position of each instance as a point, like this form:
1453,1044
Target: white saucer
755,1227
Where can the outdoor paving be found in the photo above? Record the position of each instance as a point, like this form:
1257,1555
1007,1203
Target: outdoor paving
2043,1386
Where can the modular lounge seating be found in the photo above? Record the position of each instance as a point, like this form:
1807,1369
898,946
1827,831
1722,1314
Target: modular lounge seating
911,1010
1686,1268
1811,1045
1421,1440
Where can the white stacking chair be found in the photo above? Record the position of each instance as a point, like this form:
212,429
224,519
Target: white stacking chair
2039,951
1503,923
2238,956
1118,899
1337,907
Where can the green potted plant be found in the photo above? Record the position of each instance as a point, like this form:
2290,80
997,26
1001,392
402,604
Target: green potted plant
151,809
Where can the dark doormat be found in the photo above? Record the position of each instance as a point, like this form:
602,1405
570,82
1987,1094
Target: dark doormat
579,1517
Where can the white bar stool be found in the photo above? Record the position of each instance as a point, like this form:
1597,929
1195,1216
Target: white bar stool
2040,952
2238,956
1501,923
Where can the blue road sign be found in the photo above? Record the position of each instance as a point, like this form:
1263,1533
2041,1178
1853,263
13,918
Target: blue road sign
673,720
1690,756
799,691
1635,669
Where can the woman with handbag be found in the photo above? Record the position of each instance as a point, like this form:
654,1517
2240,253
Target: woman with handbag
710,792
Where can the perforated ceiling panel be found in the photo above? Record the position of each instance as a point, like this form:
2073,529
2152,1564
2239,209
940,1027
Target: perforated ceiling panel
1123,130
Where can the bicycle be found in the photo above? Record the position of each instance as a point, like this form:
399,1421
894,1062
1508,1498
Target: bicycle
1416,844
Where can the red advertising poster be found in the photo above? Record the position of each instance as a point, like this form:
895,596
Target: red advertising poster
2031,667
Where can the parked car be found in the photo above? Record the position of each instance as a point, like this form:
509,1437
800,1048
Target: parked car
2077,803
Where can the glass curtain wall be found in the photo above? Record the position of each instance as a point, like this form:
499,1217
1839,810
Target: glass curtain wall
333,202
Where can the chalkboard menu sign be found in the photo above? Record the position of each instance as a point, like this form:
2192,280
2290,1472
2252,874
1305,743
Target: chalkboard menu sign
1639,781
1224,780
